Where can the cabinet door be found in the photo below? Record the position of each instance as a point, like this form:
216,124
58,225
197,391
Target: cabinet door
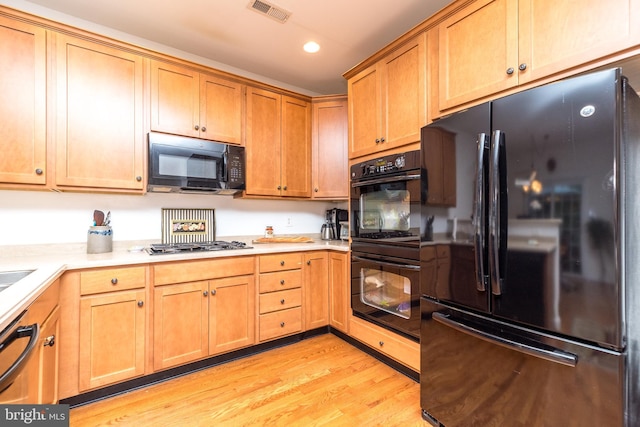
221,109
296,147
22,103
555,36
330,169
100,127
477,45
231,313
48,356
339,291
112,338
180,324
404,93
316,290
264,110
175,99
364,112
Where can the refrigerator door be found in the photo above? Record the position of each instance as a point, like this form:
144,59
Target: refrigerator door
478,372
455,270
560,269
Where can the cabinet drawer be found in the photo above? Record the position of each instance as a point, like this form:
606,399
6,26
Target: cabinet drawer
280,323
193,271
113,279
403,350
280,300
270,282
280,262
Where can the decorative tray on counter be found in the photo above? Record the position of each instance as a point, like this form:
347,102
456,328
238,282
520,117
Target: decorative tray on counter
297,239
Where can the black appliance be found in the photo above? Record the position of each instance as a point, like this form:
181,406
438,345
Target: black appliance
532,317
18,343
190,165
385,242
334,218
207,246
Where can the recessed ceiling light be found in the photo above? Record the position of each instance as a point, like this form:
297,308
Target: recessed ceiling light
311,47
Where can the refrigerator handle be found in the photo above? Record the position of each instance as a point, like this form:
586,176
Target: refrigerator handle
494,212
478,214
550,354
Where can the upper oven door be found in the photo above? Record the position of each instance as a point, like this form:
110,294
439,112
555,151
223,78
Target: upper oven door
387,209
185,163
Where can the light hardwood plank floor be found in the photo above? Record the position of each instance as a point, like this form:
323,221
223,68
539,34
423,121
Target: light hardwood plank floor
321,381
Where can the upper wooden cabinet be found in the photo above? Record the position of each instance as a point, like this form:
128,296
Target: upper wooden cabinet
330,168
22,103
494,45
100,136
388,100
278,144
186,102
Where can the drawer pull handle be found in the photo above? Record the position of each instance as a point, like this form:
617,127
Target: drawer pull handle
49,341
114,281
282,282
140,303
282,324
281,262
282,301
381,343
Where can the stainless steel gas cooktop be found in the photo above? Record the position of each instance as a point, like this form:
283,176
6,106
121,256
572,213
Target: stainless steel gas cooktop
174,248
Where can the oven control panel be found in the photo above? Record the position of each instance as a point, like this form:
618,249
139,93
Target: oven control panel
392,163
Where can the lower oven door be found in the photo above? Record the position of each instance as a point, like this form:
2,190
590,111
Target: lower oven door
385,291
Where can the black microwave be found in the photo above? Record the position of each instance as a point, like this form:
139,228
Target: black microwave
189,165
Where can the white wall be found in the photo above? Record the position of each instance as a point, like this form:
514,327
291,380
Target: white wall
34,217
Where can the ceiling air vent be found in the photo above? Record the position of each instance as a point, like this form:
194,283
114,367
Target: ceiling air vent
272,11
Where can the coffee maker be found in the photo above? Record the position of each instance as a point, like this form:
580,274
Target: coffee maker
334,219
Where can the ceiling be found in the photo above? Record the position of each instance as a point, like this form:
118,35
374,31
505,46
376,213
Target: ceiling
229,32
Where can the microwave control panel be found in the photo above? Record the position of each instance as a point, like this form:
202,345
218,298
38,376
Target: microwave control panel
235,167
390,164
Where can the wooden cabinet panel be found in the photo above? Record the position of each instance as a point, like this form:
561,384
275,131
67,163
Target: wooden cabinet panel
277,281
316,290
280,300
180,324
296,148
231,313
100,135
280,262
23,103
48,358
364,112
280,323
330,138
190,271
339,291
221,109
112,279
112,337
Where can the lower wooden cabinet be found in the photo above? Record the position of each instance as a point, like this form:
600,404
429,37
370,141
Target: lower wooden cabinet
316,290
339,290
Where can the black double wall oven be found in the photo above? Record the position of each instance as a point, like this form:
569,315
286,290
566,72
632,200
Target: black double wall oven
385,242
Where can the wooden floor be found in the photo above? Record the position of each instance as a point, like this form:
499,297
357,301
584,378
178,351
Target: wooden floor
321,381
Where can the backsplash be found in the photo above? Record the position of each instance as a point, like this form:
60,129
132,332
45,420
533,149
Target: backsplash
30,217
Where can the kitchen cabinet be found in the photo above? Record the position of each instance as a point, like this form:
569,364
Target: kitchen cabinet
99,133
23,87
339,291
278,145
388,100
112,325
280,295
202,308
490,46
440,158
330,138
187,102
316,290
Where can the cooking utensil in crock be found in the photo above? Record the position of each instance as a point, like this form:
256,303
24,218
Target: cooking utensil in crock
98,217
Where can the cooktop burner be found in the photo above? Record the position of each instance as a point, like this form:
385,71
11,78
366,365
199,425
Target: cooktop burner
215,245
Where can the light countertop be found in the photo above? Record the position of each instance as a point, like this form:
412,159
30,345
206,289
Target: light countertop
50,261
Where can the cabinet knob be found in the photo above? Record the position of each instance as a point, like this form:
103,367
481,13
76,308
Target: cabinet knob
140,303
382,139
377,140
279,187
316,190
282,263
49,341
282,301
522,67
205,293
196,127
282,282
203,129
510,70
282,324
114,281
381,343
138,178
309,262
284,188
39,171
213,291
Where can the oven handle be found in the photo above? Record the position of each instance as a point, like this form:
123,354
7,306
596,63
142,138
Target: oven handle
32,331
556,356
391,264
385,180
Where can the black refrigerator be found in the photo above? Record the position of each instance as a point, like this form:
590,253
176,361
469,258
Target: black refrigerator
530,281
